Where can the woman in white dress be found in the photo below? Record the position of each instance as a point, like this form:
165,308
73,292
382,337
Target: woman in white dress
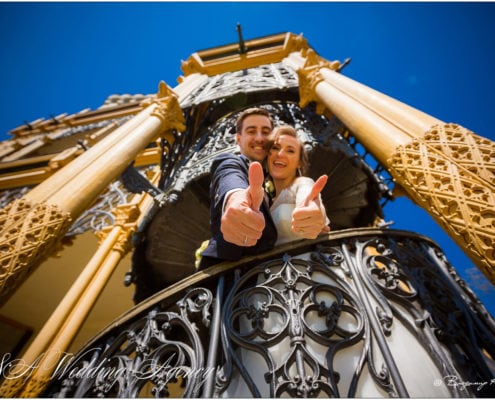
287,187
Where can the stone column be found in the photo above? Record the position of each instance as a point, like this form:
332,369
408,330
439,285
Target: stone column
45,356
444,168
32,227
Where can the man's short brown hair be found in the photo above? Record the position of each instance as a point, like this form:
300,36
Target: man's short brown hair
248,112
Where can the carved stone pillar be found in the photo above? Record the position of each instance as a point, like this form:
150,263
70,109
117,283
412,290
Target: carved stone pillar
376,134
48,349
444,168
34,225
29,233
450,173
75,186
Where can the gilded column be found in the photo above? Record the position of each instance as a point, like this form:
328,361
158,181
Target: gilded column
444,168
33,226
450,172
46,353
378,135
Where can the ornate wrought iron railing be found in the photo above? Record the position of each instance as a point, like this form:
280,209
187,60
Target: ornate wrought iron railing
351,314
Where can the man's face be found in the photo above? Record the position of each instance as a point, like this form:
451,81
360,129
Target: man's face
253,137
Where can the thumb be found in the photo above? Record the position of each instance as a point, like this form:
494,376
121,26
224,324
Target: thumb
316,190
255,190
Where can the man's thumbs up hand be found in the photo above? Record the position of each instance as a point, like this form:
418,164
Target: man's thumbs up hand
255,189
242,222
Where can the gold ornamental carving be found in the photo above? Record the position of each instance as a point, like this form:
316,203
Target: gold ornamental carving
308,79
28,234
310,76
34,387
192,66
123,244
168,109
450,172
11,387
126,214
313,60
296,43
20,383
126,217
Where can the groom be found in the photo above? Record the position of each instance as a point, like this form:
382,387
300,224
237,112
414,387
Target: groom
240,220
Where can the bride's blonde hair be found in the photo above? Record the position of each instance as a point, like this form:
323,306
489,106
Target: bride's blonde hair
290,131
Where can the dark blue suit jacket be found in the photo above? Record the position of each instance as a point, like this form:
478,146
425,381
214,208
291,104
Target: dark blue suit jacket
230,171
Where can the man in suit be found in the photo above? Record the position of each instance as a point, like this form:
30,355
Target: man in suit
240,219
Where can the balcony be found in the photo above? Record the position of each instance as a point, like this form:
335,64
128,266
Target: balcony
354,313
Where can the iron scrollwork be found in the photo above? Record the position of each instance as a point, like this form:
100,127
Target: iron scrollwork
100,214
404,276
297,318
160,355
348,317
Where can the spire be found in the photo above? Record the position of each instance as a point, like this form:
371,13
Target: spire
242,45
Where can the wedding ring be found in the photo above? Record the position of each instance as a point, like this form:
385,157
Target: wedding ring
245,239
301,230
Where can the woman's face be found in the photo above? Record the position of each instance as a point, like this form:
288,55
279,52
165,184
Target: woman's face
284,157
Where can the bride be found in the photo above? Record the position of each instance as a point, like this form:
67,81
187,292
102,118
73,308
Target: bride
288,191
286,186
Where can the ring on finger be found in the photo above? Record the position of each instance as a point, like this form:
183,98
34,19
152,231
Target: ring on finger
245,239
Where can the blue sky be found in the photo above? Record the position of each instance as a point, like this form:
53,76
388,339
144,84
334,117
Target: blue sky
438,57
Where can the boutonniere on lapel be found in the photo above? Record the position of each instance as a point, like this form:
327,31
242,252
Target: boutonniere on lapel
269,188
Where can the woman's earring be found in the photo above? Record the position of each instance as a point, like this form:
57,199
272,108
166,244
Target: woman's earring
299,172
